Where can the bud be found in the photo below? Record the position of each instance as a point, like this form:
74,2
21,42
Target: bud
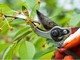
26,12
38,2
1,14
0,29
67,25
43,45
19,12
12,18
3,17
27,22
31,41
36,34
10,28
47,42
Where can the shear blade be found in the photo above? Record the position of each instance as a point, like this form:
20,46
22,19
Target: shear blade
40,32
46,22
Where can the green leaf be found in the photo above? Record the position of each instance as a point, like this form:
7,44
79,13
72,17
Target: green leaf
4,28
26,50
22,30
41,53
17,22
29,3
47,56
9,52
33,12
3,47
23,8
39,42
75,20
22,35
6,10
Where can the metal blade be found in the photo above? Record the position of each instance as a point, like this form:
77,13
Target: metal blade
22,16
46,22
40,32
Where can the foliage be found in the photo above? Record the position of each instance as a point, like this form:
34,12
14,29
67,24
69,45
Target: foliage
18,41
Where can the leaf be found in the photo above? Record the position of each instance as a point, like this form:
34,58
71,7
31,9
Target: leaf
3,47
6,10
63,21
23,8
4,28
33,12
26,50
47,56
39,42
17,22
41,53
29,3
75,20
9,52
22,35
22,30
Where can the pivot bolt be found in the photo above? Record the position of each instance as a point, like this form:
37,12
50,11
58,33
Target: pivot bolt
55,33
65,31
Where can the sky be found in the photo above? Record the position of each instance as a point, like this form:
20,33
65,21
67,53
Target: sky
69,4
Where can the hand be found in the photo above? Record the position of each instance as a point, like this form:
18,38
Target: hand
71,43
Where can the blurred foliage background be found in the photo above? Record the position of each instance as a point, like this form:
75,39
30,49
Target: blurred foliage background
19,42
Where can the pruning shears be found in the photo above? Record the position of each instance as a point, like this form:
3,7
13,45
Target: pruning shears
52,30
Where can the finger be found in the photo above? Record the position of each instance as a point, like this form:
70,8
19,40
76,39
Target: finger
69,57
58,55
62,50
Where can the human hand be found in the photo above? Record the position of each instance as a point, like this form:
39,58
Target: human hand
71,43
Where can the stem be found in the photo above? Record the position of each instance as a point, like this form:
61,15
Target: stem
7,22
